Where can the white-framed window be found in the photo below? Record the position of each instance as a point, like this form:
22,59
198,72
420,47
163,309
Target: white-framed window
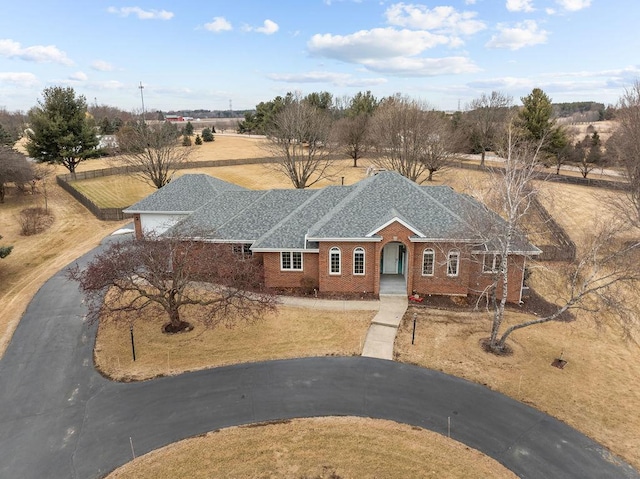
491,263
453,263
358,261
291,260
428,262
335,262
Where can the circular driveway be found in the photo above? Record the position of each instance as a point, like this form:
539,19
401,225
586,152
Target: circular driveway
59,418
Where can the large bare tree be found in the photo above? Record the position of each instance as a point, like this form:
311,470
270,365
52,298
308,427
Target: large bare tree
441,143
624,146
300,138
603,264
133,275
352,134
487,118
352,130
404,132
152,152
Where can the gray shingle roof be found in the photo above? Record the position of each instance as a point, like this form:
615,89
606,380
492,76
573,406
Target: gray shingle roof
298,219
243,216
185,194
379,199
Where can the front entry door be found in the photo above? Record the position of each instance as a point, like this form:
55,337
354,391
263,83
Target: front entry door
391,256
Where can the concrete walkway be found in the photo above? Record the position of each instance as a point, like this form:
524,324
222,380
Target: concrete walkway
384,326
381,334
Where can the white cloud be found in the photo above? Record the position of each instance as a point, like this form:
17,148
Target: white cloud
102,66
269,28
23,79
110,85
141,14
439,19
337,79
219,24
520,5
521,35
78,76
574,5
374,44
36,53
422,67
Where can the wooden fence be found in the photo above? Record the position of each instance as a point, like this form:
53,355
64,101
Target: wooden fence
564,250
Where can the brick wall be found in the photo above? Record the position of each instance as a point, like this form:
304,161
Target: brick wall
480,280
470,278
440,282
346,281
276,278
137,225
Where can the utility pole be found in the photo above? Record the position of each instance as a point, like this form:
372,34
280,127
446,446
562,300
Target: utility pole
142,98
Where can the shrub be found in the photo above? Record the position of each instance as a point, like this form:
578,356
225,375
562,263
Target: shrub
308,285
34,221
207,135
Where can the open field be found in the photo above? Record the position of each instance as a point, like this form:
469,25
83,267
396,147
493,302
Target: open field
316,448
289,333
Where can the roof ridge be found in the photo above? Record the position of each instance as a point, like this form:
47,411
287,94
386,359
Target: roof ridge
355,188
293,212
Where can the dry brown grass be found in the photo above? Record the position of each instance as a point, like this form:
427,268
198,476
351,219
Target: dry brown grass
597,392
315,448
289,333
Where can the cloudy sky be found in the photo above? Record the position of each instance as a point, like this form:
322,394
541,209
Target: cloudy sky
204,54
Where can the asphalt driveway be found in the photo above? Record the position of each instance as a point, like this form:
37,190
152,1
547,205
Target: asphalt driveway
60,419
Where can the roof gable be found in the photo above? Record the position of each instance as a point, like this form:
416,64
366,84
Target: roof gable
396,219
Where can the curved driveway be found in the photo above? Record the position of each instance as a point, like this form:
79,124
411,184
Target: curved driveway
61,419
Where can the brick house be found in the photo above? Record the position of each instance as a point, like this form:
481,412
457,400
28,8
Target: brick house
382,230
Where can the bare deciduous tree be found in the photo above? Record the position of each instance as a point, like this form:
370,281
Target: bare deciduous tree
591,282
352,131
14,168
352,134
300,138
152,152
624,145
441,143
487,117
132,275
403,131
